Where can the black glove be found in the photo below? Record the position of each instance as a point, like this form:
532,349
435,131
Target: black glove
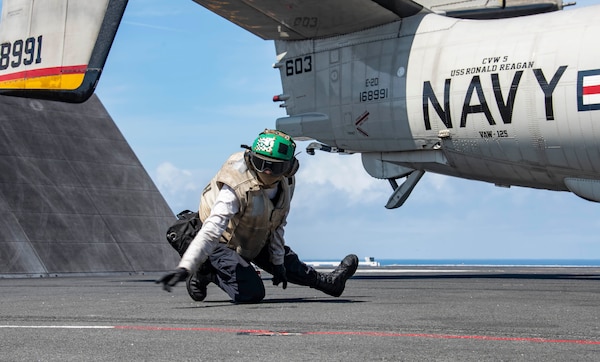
170,279
279,276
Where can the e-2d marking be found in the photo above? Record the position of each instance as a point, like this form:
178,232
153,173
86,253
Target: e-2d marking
372,92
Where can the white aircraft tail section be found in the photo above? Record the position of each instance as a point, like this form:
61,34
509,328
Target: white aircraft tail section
56,49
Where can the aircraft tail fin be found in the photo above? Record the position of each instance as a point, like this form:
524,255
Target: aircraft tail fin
56,49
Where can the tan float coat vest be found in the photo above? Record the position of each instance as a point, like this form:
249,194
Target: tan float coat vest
253,226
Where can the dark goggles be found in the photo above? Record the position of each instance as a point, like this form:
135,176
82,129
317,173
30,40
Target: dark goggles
275,168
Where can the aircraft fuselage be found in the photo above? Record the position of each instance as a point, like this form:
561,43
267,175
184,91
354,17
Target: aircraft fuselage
511,101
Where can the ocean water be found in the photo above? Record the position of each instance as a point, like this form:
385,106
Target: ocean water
495,262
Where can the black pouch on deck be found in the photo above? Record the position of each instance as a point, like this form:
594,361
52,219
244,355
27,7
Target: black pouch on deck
183,231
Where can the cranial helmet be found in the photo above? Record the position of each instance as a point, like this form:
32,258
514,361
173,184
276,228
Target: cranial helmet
273,153
274,144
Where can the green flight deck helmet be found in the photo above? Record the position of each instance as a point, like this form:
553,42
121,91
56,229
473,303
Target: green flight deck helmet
273,153
274,144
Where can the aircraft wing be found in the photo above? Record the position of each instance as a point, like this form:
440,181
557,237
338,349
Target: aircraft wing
56,49
308,19
491,9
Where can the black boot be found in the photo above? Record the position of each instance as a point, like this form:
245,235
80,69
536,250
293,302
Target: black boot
335,282
197,282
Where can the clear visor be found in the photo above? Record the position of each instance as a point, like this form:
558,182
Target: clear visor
270,167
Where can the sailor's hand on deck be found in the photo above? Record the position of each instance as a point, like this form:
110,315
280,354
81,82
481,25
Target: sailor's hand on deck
279,276
170,279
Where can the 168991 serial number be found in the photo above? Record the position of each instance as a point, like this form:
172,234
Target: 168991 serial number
373,95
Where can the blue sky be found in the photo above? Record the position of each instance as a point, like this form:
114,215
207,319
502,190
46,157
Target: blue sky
187,87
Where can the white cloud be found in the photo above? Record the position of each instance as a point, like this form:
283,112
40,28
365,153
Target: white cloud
173,179
180,187
328,174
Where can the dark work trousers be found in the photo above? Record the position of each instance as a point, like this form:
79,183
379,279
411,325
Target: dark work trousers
237,277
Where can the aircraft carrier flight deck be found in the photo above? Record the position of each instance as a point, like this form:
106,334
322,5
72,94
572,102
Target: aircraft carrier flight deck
444,313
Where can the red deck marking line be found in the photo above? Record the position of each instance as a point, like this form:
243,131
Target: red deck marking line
452,336
364,333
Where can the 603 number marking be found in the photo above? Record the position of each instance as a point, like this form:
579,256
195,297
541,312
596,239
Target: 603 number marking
298,65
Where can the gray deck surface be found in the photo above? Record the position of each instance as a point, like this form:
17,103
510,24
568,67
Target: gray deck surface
410,314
